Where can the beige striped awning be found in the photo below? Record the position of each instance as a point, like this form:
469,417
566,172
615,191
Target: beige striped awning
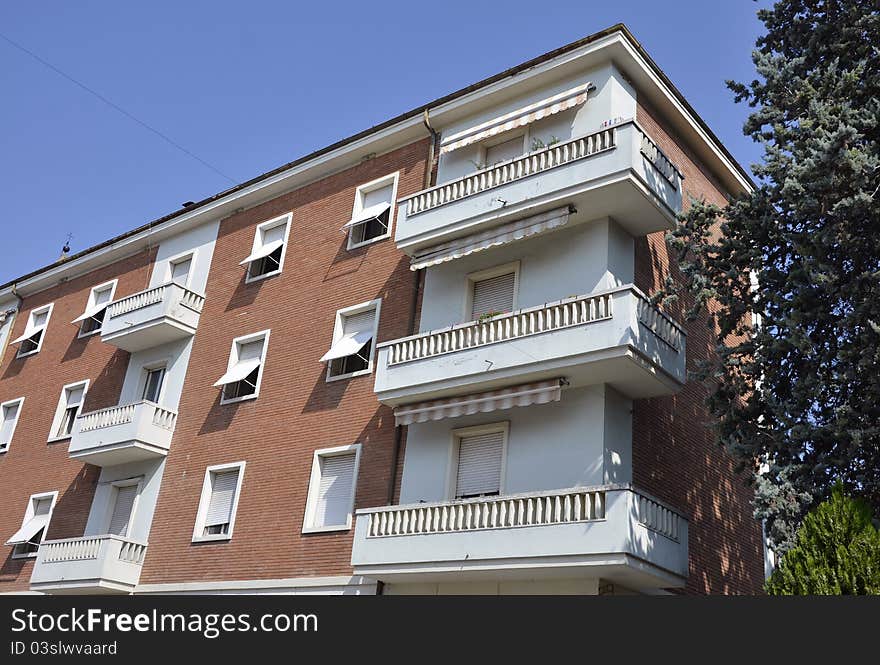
500,235
522,395
519,118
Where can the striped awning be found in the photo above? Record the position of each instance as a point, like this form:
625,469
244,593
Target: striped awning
519,118
496,400
500,235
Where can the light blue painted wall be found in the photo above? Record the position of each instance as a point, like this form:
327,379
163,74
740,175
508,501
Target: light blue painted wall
102,504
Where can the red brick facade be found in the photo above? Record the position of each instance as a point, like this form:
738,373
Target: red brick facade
31,465
297,410
675,455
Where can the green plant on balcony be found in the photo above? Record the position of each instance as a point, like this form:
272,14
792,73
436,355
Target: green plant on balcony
488,315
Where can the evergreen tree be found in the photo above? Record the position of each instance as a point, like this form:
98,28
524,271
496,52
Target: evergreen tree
837,551
799,394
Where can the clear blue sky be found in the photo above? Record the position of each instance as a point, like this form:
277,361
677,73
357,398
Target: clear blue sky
248,86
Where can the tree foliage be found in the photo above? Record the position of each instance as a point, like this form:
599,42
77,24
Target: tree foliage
800,393
837,551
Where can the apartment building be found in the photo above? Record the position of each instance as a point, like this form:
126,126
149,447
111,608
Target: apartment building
420,360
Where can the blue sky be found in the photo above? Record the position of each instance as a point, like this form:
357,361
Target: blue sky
248,86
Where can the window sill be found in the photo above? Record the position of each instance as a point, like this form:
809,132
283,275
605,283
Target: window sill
83,335
212,539
25,355
365,243
350,375
32,555
56,439
236,400
326,529
251,280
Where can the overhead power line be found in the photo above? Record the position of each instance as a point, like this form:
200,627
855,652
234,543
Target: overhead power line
118,108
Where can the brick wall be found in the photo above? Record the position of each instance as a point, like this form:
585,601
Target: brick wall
675,455
31,465
297,411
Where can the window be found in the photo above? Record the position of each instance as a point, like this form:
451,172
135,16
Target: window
9,412
179,269
245,368
331,489
270,245
69,406
501,152
124,497
352,350
91,320
154,379
492,291
219,502
32,339
479,454
26,541
372,212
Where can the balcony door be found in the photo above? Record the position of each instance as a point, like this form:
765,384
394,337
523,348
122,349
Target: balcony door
124,498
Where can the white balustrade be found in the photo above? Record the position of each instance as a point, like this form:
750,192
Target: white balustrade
659,160
125,414
663,327
189,299
658,517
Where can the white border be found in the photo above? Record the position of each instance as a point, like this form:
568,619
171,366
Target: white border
29,513
366,188
461,432
180,258
338,328
37,310
91,303
233,359
314,484
480,275
20,402
287,220
204,500
62,406
114,493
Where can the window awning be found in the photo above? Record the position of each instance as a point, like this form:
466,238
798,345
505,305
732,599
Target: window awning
27,335
29,530
519,118
348,345
94,310
365,215
262,251
500,235
523,395
238,371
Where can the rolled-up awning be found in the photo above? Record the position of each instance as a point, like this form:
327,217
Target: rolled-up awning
365,215
262,251
523,395
94,310
29,529
519,118
238,371
348,345
500,235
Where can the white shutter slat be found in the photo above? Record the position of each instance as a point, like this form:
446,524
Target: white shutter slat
274,234
43,506
479,464
334,491
74,396
180,271
223,486
360,322
493,295
122,508
377,197
10,413
250,351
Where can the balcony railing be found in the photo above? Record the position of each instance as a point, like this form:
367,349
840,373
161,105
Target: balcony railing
522,323
121,415
511,170
124,433
90,564
495,512
189,299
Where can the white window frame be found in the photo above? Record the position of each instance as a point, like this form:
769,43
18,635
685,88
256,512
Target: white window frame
480,275
379,183
114,488
233,358
28,515
462,432
62,407
146,368
20,402
339,327
287,220
38,310
205,499
180,258
315,483
91,302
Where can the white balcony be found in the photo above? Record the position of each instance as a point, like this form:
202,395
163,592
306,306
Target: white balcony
92,564
153,317
613,337
614,532
617,172
121,434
